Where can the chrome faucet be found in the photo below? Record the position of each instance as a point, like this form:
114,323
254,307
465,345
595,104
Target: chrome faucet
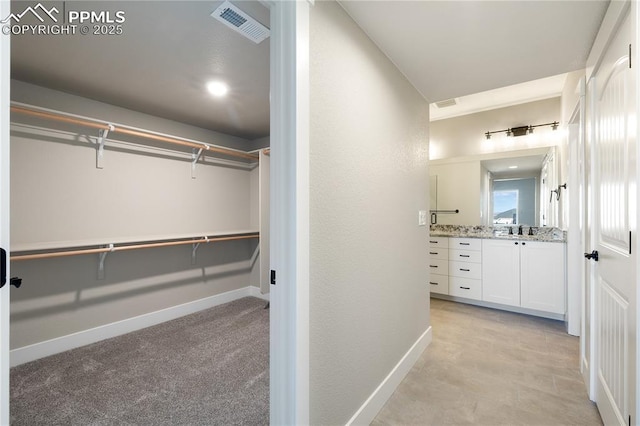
519,229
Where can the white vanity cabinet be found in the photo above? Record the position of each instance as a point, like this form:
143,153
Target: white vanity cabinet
465,268
501,272
439,265
542,276
528,274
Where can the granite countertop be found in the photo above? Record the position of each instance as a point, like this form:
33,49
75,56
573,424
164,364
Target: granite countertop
544,234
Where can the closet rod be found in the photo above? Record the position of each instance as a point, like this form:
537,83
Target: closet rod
127,247
119,128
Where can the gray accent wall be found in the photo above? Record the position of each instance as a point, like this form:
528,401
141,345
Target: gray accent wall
369,299
144,192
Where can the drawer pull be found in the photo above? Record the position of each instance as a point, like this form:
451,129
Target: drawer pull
433,252
465,270
433,242
466,288
464,255
433,283
433,266
465,244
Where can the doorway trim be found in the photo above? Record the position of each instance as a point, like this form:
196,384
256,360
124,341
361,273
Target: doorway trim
289,212
5,81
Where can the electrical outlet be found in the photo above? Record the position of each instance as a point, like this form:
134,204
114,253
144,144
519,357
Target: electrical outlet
422,218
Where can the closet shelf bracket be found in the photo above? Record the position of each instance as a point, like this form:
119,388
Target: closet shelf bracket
101,259
194,249
102,138
195,156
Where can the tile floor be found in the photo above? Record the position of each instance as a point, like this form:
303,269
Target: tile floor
489,367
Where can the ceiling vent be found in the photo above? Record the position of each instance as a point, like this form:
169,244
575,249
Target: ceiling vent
446,103
239,21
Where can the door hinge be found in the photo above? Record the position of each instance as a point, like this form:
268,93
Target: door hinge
273,277
629,419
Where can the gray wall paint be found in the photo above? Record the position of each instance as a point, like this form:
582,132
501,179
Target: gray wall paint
369,300
58,197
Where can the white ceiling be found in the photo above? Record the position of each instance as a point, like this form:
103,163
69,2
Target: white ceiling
530,164
449,49
169,49
536,90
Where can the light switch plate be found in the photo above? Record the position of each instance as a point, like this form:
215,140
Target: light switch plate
422,218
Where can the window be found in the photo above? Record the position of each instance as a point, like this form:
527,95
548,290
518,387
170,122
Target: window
505,207
514,201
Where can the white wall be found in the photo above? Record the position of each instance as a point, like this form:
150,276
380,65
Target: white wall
60,197
464,135
369,301
459,187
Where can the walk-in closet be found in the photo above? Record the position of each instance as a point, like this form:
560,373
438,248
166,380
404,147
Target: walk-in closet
140,213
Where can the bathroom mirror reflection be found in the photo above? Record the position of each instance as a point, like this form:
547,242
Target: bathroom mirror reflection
504,189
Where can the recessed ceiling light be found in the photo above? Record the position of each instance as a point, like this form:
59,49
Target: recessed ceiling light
217,88
513,167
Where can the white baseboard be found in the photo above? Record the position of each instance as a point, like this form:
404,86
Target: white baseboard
60,344
255,292
368,411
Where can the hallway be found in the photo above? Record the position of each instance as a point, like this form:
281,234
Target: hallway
489,367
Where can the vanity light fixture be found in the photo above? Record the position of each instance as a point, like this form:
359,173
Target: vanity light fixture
522,130
217,88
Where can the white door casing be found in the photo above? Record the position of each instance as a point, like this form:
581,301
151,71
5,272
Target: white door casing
613,188
289,213
5,58
265,238
574,208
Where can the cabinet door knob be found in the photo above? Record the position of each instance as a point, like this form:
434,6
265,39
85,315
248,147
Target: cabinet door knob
516,243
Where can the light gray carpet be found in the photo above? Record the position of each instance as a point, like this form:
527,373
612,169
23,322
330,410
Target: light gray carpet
209,368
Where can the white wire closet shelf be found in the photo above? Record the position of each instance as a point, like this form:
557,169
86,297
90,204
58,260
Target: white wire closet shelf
105,127
109,247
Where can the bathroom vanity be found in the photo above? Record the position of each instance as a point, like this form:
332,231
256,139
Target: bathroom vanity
489,267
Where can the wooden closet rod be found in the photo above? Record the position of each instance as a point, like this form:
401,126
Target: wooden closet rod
118,128
128,247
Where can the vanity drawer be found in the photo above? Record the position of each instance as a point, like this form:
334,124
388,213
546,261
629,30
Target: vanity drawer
438,253
442,242
438,266
466,243
465,287
465,270
439,284
465,255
